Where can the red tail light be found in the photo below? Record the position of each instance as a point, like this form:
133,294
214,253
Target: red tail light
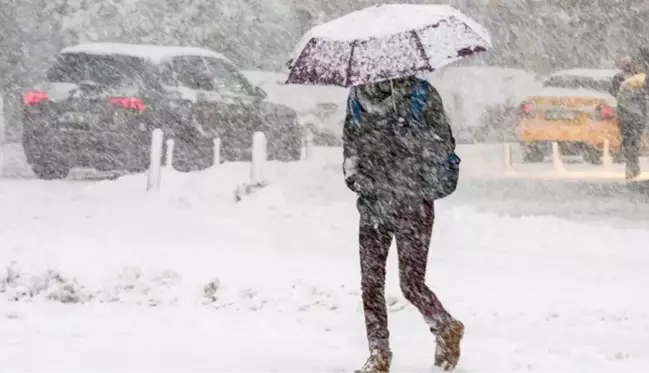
128,103
605,112
526,108
31,98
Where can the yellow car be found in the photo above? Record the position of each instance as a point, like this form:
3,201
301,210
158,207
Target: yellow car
574,108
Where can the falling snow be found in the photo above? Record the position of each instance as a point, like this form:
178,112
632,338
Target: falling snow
223,265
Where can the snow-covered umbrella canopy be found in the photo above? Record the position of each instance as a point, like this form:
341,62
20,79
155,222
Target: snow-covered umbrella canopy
385,42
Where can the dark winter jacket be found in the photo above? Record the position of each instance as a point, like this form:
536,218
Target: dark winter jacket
632,95
617,81
390,160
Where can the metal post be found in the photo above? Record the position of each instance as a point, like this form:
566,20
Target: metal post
217,151
556,157
153,179
258,158
308,146
508,157
170,153
3,133
607,160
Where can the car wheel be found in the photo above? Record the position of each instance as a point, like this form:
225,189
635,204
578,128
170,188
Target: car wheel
32,149
592,155
139,164
105,167
138,169
295,153
292,152
532,153
139,160
618,158
193,155
287,152
51,167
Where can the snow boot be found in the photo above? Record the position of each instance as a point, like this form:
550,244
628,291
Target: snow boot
378,362
447,349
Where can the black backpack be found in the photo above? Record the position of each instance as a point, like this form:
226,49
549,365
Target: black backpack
442,178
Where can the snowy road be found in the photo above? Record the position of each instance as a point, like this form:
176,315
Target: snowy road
484,186
187,280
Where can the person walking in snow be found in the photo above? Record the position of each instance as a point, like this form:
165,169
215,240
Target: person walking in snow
627,65
632,113
399,158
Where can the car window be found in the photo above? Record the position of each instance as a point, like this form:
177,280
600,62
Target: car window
188,71
578,82
108,70
209,74
228,78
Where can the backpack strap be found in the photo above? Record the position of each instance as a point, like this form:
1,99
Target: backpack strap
355,106
418,98
417,101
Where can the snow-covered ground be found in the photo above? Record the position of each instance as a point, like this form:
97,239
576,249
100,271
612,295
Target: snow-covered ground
101,276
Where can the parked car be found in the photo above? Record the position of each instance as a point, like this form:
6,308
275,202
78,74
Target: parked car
498,123
320,110
574,108
468,91
100,102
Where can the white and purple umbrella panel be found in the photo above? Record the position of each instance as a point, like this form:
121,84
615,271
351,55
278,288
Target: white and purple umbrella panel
385,42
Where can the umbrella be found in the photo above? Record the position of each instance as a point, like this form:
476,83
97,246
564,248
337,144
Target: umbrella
385,42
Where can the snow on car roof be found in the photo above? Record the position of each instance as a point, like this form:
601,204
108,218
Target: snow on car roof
587,73
154,53
571,92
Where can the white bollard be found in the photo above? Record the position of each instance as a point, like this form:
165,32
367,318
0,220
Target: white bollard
607,160
170,153
508,157
556,157
217,151
153,179
308,146
3,133
259,157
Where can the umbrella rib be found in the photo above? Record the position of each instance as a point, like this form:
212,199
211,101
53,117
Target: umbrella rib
422,51
349,65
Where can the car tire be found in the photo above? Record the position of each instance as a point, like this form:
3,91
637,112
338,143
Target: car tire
289,143
138,168
532,153
139,160
191,155
618,158
292,152
51,167
592,155
105,167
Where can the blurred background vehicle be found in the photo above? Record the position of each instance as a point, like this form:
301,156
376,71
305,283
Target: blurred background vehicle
480,99
575,108
320,110
99,102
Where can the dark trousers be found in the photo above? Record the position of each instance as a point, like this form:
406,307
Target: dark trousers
631,128
412,224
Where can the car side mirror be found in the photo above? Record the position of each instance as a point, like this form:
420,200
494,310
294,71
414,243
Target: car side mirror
260,93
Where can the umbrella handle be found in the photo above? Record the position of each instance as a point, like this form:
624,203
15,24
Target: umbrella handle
394,100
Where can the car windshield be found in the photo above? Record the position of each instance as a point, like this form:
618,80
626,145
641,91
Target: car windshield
229,78
205,74
578,82
108,70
